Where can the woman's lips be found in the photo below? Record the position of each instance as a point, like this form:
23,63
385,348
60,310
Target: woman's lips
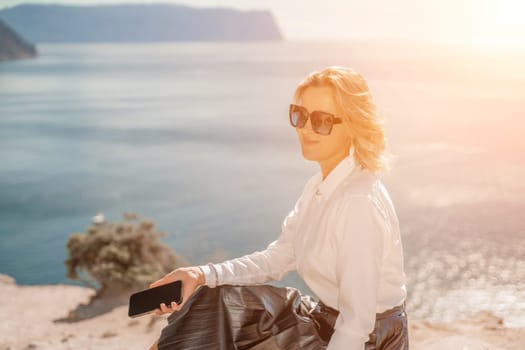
310,142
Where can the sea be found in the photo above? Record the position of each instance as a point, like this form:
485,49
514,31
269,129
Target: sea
195,137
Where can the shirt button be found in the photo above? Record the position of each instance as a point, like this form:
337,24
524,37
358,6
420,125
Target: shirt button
318,193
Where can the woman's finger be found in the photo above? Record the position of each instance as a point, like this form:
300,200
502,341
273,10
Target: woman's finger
155,284
186,293
164,280
160,282
175,306
164,308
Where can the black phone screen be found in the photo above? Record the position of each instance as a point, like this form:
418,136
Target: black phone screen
148,300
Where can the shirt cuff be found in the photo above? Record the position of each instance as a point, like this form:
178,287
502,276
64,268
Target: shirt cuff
210,274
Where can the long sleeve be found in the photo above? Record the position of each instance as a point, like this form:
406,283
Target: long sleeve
361,234
270,264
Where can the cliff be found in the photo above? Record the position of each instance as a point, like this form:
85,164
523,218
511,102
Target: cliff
138,23
12,46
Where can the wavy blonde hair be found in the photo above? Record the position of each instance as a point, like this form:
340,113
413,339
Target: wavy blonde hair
361,119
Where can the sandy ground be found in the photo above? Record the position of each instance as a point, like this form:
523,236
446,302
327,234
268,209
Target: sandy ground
27,314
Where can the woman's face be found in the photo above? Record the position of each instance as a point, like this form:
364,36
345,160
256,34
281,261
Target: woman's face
318,147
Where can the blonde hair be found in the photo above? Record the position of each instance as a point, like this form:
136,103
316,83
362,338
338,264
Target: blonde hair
361,119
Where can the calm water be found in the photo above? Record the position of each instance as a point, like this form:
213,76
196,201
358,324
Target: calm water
195,136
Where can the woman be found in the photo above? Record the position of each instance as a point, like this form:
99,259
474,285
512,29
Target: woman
343,234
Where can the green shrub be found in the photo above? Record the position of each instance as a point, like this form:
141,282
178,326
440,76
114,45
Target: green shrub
120,257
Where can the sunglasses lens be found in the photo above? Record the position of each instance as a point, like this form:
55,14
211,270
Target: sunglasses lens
297,117
322,122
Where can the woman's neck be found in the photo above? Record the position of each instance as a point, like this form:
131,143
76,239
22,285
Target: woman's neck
327,165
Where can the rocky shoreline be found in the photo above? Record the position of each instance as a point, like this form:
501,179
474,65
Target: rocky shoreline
29,321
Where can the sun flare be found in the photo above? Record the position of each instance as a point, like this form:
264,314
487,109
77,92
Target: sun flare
498,24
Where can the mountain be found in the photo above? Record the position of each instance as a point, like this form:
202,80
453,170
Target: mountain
12,46
138,23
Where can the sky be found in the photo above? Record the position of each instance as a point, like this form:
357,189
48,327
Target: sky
477,23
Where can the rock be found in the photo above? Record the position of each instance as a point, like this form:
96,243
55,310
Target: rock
108,334
12,45
6,279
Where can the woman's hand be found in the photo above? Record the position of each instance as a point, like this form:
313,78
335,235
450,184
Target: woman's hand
191,277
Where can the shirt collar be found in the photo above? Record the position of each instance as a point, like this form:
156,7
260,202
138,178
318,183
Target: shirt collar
324,188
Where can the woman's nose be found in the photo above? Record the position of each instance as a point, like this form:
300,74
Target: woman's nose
308,124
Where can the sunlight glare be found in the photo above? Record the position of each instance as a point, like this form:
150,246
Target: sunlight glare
498,24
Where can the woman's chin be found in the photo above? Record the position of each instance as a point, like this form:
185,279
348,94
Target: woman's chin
310,154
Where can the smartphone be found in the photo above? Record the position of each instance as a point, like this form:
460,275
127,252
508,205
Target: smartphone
148,300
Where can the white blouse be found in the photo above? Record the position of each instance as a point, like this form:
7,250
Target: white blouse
343,239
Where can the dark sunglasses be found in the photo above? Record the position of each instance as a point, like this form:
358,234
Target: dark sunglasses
322,122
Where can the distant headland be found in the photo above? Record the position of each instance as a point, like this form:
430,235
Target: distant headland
138,23
12,45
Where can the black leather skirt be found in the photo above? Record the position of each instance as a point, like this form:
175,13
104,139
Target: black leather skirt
390,331
266,317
